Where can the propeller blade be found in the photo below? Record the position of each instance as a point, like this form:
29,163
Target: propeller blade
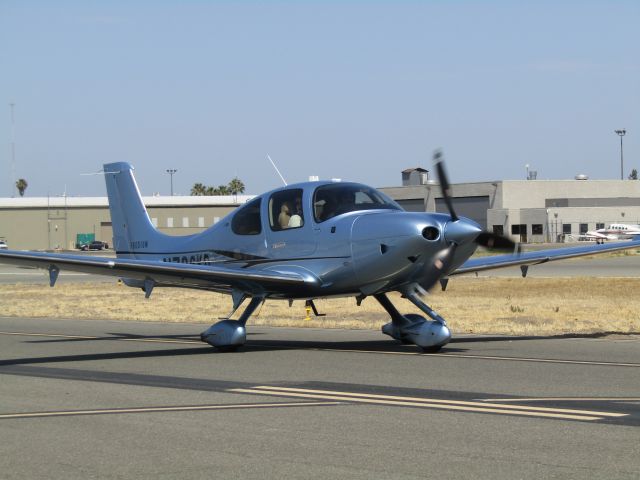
444,183
439,267
492,240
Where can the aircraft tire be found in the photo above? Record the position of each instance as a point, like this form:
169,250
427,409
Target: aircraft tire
227,348
435,349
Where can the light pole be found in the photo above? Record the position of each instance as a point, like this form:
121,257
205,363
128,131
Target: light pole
171,171
621,133
13,151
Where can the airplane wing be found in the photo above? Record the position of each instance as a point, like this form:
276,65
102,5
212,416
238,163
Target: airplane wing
211,277
540,256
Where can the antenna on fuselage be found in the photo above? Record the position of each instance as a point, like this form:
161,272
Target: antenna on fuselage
278,171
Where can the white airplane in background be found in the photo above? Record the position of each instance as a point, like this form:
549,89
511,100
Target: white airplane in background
615,231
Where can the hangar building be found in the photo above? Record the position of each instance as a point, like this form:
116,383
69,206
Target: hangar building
49,223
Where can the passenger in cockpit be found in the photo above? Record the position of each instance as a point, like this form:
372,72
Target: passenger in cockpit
296,217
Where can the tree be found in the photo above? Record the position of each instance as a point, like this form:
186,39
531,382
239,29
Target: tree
21,185
633,175
234,187
221,190
198,189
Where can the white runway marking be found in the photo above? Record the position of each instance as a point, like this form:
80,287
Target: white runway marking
431,403
186,408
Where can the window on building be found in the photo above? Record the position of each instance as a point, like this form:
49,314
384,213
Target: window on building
536,229
200,222
247,220
584,227
169,222
566,228
285,209
185,222
599,226
154,220
216,219
518,229
498,229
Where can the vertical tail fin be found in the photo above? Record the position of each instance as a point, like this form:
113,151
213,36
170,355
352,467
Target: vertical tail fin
132,228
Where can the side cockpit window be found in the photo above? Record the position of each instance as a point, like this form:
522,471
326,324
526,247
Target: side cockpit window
285,210
336,199
247,220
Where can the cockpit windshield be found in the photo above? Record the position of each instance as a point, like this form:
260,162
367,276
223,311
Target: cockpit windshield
338,198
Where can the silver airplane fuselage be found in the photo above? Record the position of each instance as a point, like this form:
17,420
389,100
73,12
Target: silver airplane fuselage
360,252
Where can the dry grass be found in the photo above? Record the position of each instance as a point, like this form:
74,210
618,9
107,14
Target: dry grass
475,305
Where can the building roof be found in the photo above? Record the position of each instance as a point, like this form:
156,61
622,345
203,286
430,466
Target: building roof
160,201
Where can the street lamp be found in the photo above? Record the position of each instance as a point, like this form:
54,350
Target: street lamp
621,133
171,171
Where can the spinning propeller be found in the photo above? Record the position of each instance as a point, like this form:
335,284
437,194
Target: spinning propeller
484,238
458,231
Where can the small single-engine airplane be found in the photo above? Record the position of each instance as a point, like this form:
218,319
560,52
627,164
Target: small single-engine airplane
615,231
304,241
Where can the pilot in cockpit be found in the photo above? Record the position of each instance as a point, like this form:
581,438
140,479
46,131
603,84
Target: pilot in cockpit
285,215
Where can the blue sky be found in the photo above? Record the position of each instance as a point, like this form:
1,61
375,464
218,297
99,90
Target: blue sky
356,90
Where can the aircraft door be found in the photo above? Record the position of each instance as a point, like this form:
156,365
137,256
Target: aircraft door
288,228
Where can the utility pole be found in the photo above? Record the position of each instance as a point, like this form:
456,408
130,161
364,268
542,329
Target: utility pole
13,152
621,133
171,171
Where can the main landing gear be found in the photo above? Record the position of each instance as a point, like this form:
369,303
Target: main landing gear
431,336
227,334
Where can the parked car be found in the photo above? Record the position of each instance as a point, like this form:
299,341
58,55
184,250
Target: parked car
3,245
95,245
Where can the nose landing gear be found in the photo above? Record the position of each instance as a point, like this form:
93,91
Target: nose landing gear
431,336
227,334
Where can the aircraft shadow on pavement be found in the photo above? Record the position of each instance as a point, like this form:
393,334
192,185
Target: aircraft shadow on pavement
381,345
514,338
254,346
117,336
126,336
169,352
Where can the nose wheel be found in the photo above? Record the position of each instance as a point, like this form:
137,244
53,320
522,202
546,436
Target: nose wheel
429,335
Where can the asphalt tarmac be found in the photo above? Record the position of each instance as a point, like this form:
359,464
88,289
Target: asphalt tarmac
106,399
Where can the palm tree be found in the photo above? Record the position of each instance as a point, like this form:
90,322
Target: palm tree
235,187
198,189
221,190
21,185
